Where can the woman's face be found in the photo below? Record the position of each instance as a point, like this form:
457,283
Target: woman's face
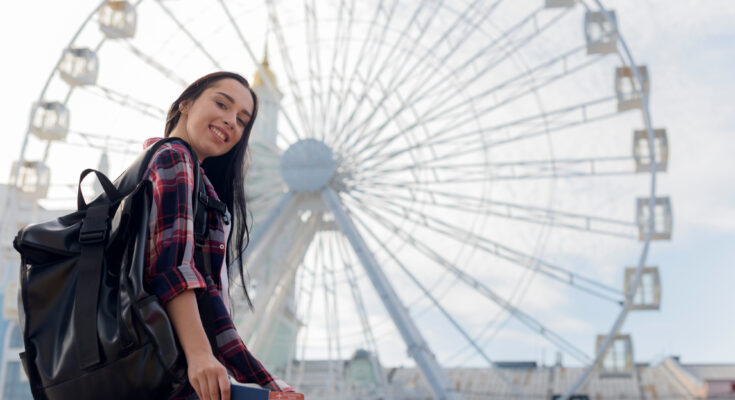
214,123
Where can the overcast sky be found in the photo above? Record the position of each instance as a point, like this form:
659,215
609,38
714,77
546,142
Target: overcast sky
689,48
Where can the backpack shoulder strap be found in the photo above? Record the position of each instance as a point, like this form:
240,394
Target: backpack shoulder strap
201,262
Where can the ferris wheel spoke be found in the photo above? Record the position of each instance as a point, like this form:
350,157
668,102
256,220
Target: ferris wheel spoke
327,313
346,83
482,289
260,184
397,74
340,256
518,86
575,115
342,40
265,198
525,79
350,155
333,284
265,77
585,167
262,188
102,147
367,330
429,87
306,319
520,90
168,73
265,169
519,212
359,303
494,325
414,73
439,307
340,72
388,61
289,70
182,27
314,66
110,144
409,136
517,257
477,168
495,44
520,170
411,335
462,118
127,101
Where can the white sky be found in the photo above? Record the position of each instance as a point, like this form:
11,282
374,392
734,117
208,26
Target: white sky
689,47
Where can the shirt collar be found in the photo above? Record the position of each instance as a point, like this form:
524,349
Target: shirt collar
151,141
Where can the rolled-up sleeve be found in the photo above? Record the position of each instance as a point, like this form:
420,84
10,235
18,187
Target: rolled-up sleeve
170,269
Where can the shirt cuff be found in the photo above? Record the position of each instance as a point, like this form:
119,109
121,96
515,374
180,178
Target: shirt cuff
174,281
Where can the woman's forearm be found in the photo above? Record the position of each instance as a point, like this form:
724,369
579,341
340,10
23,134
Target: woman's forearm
184,314
206,374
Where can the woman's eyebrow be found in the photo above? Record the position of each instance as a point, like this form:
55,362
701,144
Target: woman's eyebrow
244,111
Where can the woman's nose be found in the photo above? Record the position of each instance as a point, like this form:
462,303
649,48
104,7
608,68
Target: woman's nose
230,121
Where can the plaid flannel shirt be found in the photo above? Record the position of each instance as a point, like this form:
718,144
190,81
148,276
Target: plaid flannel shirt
170,266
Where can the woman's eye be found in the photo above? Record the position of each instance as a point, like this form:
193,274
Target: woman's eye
241,122
221,105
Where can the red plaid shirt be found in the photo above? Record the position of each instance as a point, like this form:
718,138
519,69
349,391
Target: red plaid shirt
170,268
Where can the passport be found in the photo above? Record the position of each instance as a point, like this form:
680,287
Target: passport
240,391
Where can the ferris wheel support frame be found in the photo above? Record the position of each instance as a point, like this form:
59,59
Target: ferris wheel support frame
435,375
275,291
267,232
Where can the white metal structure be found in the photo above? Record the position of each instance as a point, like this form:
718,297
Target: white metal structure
443,179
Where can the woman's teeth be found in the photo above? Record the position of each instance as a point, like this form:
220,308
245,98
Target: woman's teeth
219,134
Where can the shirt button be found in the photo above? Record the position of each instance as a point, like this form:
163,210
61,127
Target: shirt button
221,247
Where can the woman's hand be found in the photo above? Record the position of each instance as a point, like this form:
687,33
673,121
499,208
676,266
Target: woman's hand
208,376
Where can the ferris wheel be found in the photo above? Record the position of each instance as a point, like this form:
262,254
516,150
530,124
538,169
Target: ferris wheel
439,183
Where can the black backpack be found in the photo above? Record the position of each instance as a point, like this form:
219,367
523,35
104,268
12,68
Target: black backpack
91,329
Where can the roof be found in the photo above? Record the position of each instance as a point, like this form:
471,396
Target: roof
712,372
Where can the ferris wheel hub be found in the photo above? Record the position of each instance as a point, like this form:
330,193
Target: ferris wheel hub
307,165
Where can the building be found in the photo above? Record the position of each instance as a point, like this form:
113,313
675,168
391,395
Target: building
667,379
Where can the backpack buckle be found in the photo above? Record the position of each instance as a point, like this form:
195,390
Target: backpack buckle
94,230
92,237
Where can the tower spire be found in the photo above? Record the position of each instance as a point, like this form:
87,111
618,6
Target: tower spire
265,67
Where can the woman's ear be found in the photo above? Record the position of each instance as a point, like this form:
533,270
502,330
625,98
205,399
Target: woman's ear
184,106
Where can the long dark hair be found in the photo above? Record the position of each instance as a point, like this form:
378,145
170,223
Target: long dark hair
226,172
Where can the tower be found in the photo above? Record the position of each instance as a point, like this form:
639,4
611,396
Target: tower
266,123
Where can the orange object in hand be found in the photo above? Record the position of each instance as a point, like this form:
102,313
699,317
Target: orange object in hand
285,396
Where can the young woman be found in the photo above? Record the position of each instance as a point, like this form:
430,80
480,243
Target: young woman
214,115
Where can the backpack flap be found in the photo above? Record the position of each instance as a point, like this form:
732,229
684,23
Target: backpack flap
50,240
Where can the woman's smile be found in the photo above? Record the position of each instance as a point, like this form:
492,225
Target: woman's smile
219,133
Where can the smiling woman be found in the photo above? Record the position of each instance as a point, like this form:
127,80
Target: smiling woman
214,115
